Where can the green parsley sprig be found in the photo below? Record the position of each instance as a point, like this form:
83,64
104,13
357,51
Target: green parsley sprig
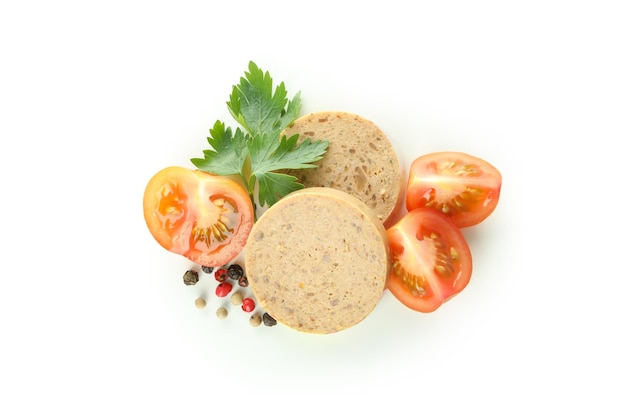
257,153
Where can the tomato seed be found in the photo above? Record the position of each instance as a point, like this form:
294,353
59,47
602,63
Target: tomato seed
248,304
220,275
235,272
190,277
223,289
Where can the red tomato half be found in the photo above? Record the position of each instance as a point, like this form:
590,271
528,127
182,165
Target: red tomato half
431,260
204,217
463,187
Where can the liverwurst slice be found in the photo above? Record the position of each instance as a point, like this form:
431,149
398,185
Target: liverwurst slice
318,260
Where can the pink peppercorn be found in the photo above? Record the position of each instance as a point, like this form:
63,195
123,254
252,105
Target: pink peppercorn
223,288
220,274
247,305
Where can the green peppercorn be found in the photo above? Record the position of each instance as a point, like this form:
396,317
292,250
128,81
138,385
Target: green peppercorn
190,277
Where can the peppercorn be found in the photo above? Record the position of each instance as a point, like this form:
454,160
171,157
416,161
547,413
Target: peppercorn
243,281
235,272
200,302
268,320
221,313
247,304
190,277
236,298
220,275
255,320
223,289
207,269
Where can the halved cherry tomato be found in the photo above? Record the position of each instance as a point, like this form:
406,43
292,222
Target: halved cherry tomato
461,186
204,217
431,260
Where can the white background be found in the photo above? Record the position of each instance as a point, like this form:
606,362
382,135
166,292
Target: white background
95,97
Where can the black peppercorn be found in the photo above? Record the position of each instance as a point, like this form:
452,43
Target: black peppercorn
235,272
268,320
190,277
243,281
207,269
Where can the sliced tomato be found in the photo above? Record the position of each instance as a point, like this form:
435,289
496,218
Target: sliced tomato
204,217
461,186
431,260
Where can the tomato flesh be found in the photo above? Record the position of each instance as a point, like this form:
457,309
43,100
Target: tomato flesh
463,187
431,260
204,217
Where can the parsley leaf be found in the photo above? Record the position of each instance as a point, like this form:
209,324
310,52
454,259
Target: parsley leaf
229,152
257,153
268,154
259,110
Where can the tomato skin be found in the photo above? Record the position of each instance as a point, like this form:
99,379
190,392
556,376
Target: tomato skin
463,187
204,217
431,260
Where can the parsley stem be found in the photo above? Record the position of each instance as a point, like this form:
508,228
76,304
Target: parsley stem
250,188
253,206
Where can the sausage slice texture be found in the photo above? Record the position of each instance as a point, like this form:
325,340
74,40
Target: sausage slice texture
360,159
318,260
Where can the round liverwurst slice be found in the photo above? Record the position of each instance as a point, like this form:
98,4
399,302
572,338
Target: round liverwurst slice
318,260
360,159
